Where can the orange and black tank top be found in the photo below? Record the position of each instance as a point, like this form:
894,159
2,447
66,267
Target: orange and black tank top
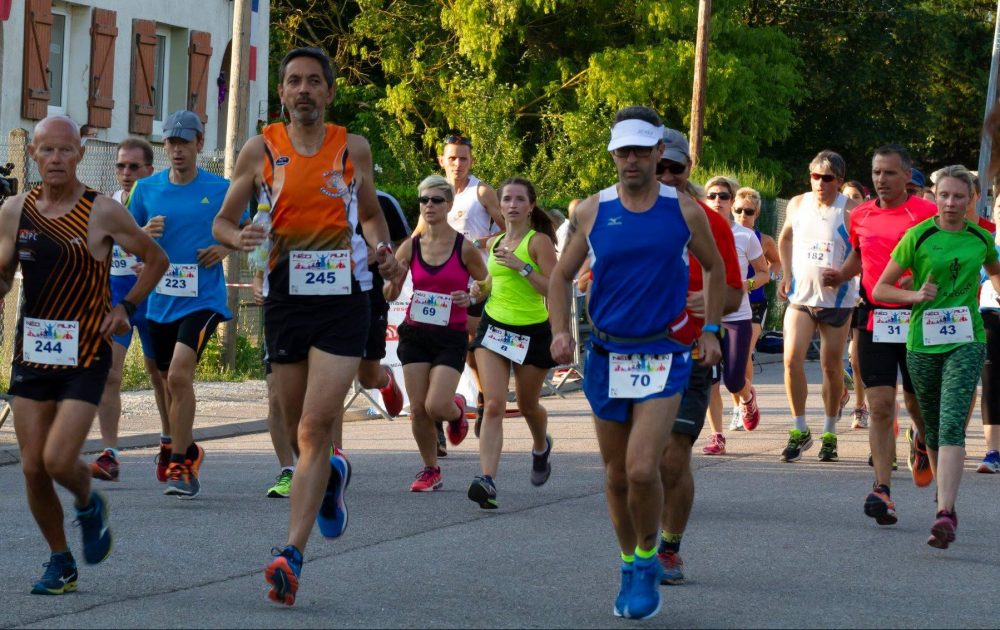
314,208
63,284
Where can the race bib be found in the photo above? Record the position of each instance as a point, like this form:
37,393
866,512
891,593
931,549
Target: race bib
507,344
890,325
430,308
638,375
819,253
947,325
122,262
179,281
51,342
319,273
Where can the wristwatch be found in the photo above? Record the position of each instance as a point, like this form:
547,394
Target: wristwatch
752,282
128,306
384,244
526,270
478,244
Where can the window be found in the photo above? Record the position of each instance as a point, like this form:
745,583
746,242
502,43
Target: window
161,83
58,60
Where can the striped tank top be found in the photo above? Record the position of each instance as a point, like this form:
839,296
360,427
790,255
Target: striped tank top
63,282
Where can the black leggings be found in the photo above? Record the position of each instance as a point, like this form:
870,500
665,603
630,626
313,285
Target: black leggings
991,372
736,354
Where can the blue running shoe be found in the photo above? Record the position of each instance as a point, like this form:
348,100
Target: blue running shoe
94,526
283,575
644,600
990,464
628,573
59,577
332,517
484,492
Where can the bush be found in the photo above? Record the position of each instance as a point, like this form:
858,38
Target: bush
210,368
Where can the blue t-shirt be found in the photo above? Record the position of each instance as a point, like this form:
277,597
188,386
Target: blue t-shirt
188,212
122,281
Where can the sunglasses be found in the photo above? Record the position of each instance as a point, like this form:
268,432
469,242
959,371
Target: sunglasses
724,196
435,199
132,166
640,152
826,178
675,168
748,212
458,140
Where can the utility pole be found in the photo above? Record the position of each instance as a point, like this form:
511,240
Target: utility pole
986,143
700,79
236,135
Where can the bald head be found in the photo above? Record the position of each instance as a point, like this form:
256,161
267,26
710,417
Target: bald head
56,148
57,125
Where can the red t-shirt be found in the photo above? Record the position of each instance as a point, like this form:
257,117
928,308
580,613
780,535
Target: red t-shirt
875,231
723,235
986,224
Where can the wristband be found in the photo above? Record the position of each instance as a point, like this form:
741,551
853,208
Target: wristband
384,244
526,270
711,328
129,307
752,282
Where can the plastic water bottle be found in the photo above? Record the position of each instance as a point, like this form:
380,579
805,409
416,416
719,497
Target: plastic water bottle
259,256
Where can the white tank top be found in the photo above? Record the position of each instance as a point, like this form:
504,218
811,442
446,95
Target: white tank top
468,216
747,248
820,241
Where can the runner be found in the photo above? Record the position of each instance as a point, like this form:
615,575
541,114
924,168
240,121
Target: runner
636,233
855,191
674,168
946,344
514,330
433,338
475,214
61,233
989,308
814,238
876,227
316,317
720,193
134,161
177,205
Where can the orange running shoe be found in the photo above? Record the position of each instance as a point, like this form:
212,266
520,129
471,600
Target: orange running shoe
283,575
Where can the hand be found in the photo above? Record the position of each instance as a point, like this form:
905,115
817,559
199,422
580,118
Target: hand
388,267
371,254
831,278
906,282
138,267
927,292
258,290
461,299
251,236
480,289
155,226
696,304
785,285
709,352
562,348
116,322
504,257
212,255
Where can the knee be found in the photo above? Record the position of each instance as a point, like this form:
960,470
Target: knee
371,379
673,470
59,467
179,381
616,481
418,412
114,382
530,408
440,411
495,408
314,431
34,471
642,472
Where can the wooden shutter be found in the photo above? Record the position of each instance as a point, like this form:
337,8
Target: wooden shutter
199,54
103,32
37,40
141,110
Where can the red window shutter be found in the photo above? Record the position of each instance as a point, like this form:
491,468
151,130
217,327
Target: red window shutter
37,39
103,32
199,54
141,110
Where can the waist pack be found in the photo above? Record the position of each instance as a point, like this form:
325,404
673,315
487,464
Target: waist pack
771,342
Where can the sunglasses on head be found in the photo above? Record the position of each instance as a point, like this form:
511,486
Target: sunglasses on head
724,196
675,168
748,212
458,140
826,178
132,166
435,199
640,152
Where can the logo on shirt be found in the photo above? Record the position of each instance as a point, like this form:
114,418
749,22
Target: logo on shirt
613,221
205,200
334,185
281,161
76,240
27,236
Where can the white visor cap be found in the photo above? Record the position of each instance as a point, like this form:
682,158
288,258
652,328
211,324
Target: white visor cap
635,133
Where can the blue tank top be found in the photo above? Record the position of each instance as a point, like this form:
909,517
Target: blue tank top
640,266
757,295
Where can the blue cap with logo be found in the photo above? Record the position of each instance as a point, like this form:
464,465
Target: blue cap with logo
917,178
183,124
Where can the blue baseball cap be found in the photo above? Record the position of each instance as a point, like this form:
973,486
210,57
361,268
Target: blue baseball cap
183,124
917,178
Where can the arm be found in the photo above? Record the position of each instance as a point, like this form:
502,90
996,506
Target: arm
561,279
373,225
491,201
774,266
541,250
785,250
247,177
993,271
886,291
762,277
850,268
473,261
392,287
258,286
702,245
10,217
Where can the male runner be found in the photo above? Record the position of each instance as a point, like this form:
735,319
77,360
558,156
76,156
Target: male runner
674,168
134,161
177,206
316,314
876,227
61,233
815,238
637,232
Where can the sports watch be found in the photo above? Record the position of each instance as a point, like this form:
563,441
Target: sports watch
526,270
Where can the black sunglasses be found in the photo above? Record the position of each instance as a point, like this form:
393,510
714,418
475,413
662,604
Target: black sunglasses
458,140
749,212
721,195
435,199
640,152
826,178
675,168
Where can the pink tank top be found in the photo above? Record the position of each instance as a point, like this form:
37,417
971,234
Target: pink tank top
450,276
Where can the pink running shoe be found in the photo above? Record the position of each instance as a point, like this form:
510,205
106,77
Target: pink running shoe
392,396
428,480
751,412
458,428
716,445
943,530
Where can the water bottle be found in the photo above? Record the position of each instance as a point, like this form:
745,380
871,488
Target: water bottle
258,257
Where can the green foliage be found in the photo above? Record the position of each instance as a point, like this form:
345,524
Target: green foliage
210,367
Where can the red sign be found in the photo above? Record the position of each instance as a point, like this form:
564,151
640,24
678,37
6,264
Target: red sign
5,10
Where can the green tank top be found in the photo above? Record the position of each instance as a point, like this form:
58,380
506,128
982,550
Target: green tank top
513,300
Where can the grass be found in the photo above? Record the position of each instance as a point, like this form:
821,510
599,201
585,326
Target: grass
210,368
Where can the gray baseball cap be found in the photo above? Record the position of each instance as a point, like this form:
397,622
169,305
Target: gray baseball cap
183,124
676,149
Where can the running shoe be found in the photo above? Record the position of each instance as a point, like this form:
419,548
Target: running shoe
798,442
919,462
93,521
442,442
644,599
484,492
283,575
673,567
990,463
860,417
60,576
105,467
750,411
621,601
282,488
848,380
880,507
736,418
181,481
828,448
195,463
458,429
428,480
163,462
332,517
391,394
943,530
541,467
716,445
